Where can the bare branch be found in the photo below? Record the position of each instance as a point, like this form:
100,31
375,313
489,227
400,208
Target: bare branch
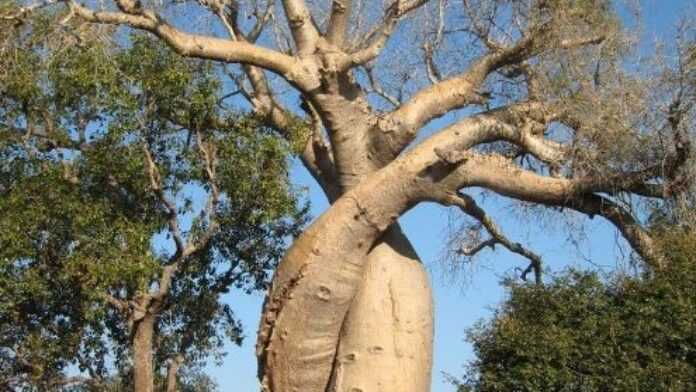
170,207
261,22
338,21
455,92
433,72
376,87
576,43
429,48
469,206
377,39
503,177
478,28
231,94
471,251
465,88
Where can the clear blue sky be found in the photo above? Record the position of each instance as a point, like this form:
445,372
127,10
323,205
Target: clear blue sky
463,299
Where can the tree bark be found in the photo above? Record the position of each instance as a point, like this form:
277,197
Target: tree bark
143,375
316,282
172,371
386,339
385,344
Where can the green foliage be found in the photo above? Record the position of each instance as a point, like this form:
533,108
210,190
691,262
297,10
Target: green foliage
582,333
81,218
192,381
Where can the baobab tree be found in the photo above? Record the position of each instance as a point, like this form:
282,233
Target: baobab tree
543,110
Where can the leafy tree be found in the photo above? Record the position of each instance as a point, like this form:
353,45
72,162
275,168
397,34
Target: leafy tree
542,108
583,333
191,379
106,153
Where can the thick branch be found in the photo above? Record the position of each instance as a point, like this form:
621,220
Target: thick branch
261,98
119,304
338,21
195,45
465,88
318,158
502,176
494,172
316,155
302,26
440,98
172,370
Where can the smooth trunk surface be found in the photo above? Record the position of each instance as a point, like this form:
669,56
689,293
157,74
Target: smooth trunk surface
386,340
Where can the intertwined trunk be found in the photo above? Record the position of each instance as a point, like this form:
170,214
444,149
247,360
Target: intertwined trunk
379,304
143,376
385,343
360,302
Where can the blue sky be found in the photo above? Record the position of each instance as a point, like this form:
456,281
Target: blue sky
472,293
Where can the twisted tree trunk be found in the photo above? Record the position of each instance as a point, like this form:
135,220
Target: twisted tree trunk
385,340
351,301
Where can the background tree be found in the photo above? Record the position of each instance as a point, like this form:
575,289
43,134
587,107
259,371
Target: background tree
190,379
105,151
544,110
580,332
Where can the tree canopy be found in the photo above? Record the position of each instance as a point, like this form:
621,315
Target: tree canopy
582,332
124,180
